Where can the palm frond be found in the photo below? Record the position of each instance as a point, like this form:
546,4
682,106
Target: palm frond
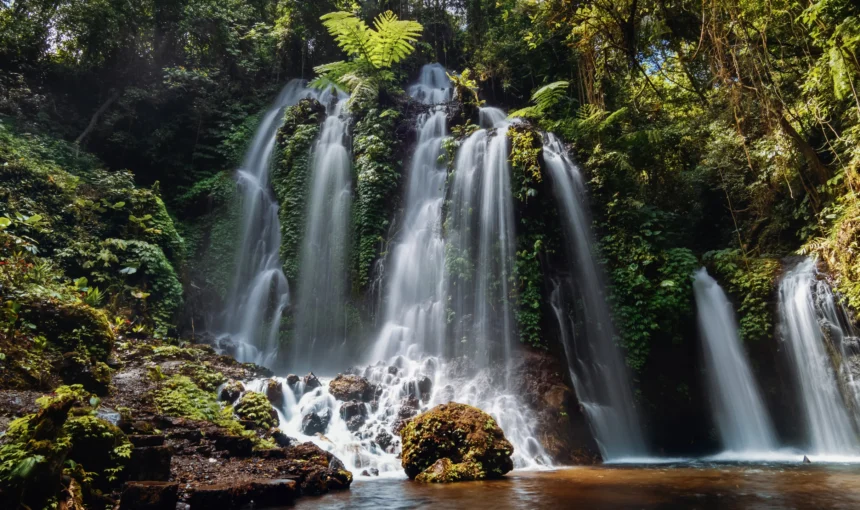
548,96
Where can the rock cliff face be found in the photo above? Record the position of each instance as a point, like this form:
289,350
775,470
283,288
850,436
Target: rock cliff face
454,443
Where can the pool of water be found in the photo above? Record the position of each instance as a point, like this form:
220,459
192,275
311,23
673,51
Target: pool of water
694,486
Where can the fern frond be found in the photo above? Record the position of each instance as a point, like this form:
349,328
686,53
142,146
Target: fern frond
548,96
529,112
351,33
393,39
612,118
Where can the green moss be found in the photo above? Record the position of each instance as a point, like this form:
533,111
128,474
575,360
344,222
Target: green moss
751,282
375,148
179,396
526,149
255,407
291,176
72,326
455,442
205,377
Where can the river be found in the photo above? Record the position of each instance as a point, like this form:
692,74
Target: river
688,486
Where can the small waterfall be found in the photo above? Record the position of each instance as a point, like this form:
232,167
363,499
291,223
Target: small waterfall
598,371
742,420
811,330
260,290
320,331
482,241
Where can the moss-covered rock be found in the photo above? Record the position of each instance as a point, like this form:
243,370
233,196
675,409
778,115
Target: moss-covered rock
180,397
291,175
72,326
455,442
94,376
255,407
350,387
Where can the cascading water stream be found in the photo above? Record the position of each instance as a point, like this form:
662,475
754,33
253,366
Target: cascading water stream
598,371
813,336
410,363
482,241
742,420
260,290
320,331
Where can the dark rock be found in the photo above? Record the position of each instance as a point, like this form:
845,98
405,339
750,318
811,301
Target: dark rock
271,493
351,387
408,407
425,386
194,436
275,392
141,441
292,380
271,453
150,463
355,423
317,471
281,439
149,496
231,391
370,472
455,442
806,460
311,382
313,423
384,440
222,496
392,370
235,446
354,413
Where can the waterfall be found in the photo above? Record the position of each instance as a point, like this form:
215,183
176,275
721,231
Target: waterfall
482,241
415,298
597,368
260,291
742,420
811,330
320,331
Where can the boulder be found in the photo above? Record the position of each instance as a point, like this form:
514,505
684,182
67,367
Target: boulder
316,470
231,391
149,496
263,493
143,440
384,440
354,413
351,387
275,392
313,423
311,382
454,442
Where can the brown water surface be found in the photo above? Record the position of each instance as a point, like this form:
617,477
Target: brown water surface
667,487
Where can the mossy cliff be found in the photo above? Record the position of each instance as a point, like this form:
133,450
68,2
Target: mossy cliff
455,443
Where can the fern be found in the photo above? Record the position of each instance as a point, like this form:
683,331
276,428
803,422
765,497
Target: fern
543,100
372,52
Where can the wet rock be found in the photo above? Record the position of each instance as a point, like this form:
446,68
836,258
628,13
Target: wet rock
150,463
425,387
408,407
806,460
271,493
235,446
281,439
149,496
311,382
313,423
392,370
231,391
354,413
275,392
455,442
292,380
351,387
317,471
385,440
370,472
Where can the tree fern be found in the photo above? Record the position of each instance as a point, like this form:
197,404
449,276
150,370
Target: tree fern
543,100
393,38
372,50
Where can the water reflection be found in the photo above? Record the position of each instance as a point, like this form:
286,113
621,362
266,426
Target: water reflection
704,486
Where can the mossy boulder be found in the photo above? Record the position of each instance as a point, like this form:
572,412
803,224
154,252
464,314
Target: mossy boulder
95,376
350,387
255,407
453,443
72,327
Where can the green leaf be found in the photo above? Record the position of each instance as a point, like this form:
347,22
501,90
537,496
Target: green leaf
34,219
5,223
